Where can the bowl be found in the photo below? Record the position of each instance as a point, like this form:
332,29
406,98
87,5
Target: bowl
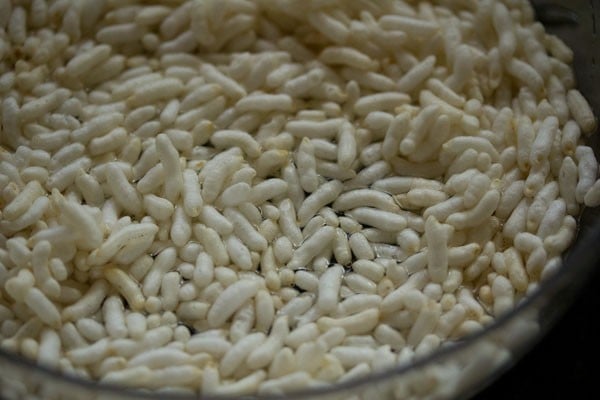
458,369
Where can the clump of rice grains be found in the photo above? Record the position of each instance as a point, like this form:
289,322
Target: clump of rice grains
243,197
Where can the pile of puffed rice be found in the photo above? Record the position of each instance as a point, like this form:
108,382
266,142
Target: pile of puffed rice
244,196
